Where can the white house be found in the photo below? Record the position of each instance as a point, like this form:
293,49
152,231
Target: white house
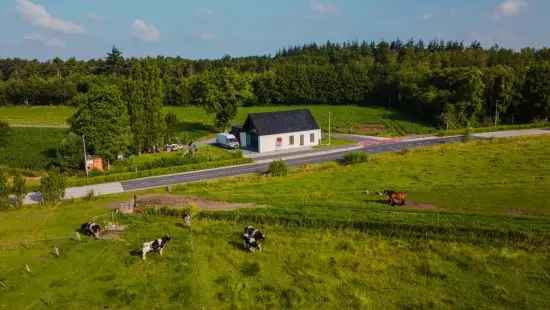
274,131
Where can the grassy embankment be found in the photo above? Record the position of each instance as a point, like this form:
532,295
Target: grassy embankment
378,257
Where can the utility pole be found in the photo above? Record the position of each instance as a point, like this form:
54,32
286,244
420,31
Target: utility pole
85,156
329,128
496,113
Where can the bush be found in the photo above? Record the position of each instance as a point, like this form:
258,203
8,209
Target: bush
356,158
250,269
278,168
4,132
4,199
52,188
19,189
467,135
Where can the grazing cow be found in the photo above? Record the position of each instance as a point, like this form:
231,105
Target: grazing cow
395,198
91,229
252,238
155,246
187,219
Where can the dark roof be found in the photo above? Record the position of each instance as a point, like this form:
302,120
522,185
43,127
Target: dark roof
272,123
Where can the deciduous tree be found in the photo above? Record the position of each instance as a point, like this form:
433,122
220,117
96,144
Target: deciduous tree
102,118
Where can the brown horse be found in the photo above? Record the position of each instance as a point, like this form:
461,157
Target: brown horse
395,198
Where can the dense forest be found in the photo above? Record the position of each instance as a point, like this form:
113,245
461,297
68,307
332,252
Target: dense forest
449,84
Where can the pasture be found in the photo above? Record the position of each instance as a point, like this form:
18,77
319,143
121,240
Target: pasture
476,234
31,148
504,177
54,116
300,268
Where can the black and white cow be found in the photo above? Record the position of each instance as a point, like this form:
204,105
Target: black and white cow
155,246
252,238
187,219
91,229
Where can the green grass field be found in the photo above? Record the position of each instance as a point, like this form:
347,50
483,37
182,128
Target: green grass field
475,235
31,148
36,115
196,122
497,177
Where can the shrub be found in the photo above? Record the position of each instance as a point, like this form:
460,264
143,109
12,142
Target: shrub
356,158
250,269
278,168
19,189
4,200
4,132
52,188
467,135
171,120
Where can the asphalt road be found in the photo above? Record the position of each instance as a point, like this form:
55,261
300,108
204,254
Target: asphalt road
166,180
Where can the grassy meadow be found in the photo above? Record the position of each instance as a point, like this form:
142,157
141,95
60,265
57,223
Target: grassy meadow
196,122
491,177
300,268
31,148
55,116
476,234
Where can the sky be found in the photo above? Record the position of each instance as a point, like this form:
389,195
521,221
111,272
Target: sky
84,29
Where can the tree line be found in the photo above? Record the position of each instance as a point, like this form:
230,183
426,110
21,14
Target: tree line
449,84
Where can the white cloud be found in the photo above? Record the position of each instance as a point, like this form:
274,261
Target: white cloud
145,32
427,16
37,15
323,8
510,8
46,41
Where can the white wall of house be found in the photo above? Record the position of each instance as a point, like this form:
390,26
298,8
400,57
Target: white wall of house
242,139
283,141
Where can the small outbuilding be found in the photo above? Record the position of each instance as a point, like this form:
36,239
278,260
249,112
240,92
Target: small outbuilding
94,163
274,131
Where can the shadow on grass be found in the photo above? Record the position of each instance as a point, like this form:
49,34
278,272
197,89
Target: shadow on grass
194,127
238,246
182,226
136,252
380,201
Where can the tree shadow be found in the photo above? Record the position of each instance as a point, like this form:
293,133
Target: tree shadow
50,153
195,127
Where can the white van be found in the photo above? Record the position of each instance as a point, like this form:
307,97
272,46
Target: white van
227,140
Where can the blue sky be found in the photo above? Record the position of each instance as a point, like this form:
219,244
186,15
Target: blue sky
45,29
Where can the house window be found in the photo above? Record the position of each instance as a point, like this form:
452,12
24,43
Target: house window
291,140
301,139
279,141
312,138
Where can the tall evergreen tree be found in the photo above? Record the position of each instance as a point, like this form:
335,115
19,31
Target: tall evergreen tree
114,63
